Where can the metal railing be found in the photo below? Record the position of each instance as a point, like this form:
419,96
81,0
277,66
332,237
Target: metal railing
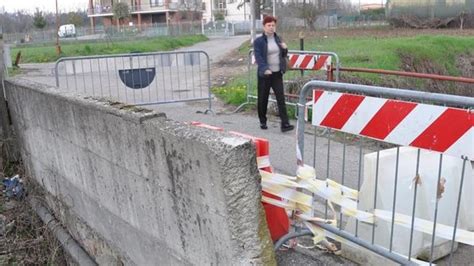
139,78
408,74
388,176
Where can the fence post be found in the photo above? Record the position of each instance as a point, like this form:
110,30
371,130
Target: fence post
3,107
301,47
8,150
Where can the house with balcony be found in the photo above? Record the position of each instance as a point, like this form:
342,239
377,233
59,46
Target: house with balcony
142,11
231,10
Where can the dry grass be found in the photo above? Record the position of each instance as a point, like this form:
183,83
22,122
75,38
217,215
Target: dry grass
24,239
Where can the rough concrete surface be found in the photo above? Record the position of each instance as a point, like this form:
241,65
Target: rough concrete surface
160,191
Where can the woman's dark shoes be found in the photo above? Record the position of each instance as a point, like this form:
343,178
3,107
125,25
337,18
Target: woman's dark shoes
263,126
287,127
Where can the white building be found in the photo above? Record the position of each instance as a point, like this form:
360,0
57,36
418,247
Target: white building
233,10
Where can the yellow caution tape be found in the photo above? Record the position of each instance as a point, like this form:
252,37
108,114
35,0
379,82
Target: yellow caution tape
263,161
286,188
304,200
278,179
289,205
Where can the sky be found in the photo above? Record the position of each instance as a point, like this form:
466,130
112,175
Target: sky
70,5
43,5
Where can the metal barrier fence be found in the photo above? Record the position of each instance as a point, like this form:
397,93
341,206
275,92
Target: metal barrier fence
218,28
297,60
101,33
407,156
139,79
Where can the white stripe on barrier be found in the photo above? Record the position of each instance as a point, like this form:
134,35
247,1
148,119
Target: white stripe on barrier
324,106
362,115
422,116
467,140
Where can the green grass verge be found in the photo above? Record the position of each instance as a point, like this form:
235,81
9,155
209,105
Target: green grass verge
387,53
42,54
235,92
439,51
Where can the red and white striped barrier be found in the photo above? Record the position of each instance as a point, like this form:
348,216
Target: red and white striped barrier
442,129
306,61
309,61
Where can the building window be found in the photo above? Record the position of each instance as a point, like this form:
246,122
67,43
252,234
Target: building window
154,3
220,4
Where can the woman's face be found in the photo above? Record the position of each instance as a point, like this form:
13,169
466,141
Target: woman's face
269,28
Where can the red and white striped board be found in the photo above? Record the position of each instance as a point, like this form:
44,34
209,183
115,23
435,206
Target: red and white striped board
306,61
309,61
437,128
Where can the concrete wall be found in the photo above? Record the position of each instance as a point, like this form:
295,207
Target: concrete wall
152,190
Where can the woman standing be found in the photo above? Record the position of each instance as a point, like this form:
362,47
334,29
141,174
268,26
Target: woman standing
270,53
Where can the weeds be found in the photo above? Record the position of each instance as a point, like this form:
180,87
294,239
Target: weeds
25,239
235,94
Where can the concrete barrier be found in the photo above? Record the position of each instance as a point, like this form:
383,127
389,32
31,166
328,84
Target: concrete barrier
134,187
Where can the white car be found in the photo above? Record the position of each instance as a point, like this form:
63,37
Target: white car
67,30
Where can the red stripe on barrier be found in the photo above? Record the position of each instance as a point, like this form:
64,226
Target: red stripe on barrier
293,59
277,219
306,60
321,61
445,131
316,95
342,111
199,124
387,118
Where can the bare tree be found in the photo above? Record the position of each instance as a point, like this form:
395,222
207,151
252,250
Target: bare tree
121,10
310,13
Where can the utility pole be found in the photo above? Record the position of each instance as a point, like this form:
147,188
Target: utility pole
58,48
274,4
252,18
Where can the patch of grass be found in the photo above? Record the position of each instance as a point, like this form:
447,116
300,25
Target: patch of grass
236,91
244,48
42,54
385,53
231,94
13,71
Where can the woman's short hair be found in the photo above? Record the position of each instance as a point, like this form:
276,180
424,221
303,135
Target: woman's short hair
269,19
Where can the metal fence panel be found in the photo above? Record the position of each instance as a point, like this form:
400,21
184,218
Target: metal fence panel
218,28
405,189
139,79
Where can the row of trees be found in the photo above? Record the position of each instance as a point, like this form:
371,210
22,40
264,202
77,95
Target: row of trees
22,21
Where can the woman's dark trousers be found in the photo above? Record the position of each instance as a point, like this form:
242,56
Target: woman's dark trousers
274,81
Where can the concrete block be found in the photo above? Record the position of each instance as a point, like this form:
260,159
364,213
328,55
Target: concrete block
425,203
156,191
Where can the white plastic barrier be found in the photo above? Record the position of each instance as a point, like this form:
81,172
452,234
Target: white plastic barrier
425,200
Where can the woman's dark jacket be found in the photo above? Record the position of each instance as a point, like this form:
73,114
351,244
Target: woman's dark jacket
260,47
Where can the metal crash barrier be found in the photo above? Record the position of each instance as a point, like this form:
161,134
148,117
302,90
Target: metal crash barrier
387,169
139,78
297,61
